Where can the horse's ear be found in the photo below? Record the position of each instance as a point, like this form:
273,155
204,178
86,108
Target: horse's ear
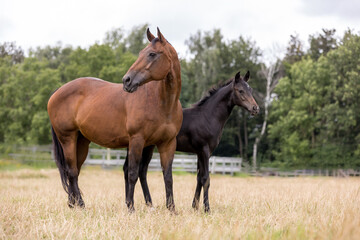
237,77
247,76
149,35
160,36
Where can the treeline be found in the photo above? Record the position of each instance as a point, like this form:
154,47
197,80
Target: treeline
313,112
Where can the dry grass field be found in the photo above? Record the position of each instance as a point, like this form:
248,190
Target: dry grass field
33,206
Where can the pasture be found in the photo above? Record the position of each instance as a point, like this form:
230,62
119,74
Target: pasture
33,205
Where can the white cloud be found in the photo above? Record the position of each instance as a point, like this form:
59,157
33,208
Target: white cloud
82,22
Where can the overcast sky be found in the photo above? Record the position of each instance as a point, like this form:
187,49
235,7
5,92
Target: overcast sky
34,23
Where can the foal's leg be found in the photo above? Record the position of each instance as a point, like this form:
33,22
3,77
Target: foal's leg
205,180
146,158
166,158
126,177
136,146
195,203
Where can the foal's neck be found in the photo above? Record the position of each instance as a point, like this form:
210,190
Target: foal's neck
220,105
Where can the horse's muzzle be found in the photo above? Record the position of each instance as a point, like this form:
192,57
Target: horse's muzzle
130,88
129,85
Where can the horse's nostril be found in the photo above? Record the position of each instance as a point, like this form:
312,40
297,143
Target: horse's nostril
255,108
126,79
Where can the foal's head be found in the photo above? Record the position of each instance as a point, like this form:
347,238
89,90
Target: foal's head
242,94
155,63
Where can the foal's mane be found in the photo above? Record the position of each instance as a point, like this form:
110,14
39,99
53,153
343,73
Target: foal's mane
212,92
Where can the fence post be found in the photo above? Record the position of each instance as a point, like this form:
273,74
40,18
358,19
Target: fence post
213,165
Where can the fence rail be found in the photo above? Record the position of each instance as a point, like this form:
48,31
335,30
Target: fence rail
108,158
188,163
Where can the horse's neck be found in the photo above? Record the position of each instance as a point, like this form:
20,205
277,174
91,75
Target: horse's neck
218,107
169,90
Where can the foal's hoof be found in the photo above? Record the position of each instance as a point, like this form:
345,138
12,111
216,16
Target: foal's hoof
175,213
207,210
195,204
81,204
131,209
72,203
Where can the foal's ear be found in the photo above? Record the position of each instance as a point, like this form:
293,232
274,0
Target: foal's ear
160,36
247,76
237,77
149,35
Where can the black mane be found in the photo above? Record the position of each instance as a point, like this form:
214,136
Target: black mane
211,93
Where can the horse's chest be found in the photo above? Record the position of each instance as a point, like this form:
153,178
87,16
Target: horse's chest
154,126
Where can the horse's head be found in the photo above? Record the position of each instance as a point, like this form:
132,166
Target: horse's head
154,63
242,94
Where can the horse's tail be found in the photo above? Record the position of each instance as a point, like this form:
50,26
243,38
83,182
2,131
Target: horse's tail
60,161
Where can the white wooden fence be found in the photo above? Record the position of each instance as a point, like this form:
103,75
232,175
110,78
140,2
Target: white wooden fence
188,163
110,158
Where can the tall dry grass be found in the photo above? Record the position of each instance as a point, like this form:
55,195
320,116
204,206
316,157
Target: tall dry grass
33,206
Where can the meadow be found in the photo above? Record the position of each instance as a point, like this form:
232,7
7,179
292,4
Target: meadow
33,205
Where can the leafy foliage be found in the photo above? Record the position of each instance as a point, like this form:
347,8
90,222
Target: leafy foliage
315,120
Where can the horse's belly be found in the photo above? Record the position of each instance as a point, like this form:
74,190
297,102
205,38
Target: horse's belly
105,129
105,136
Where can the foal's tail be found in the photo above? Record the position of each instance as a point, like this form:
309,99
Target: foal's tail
60,161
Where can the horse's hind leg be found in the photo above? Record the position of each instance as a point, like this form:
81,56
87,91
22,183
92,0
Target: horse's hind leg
82,149
145,160
69,144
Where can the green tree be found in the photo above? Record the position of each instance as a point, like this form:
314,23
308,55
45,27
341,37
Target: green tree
321,44
295,50
136,40
315,117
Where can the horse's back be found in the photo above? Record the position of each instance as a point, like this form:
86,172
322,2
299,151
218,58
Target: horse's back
74,98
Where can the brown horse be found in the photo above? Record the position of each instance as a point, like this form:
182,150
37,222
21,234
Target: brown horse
133,115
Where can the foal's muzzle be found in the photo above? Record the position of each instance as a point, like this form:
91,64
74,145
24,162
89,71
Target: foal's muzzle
255,110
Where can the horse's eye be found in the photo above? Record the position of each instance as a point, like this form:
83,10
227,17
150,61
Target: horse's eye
152,54
241,91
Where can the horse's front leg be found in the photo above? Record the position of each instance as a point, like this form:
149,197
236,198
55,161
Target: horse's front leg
166,158
136,145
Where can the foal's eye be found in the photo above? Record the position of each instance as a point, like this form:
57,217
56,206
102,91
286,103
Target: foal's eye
152,54
241,91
